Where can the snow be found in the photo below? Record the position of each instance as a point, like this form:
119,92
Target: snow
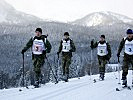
94,20
75,89
102,18
9,15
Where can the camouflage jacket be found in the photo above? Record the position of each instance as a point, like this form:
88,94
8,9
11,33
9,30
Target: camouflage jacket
72,47
122,43
42,37
108,48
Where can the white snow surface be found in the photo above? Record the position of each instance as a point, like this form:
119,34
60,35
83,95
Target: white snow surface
75,89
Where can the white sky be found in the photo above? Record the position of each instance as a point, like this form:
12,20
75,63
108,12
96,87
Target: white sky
70,10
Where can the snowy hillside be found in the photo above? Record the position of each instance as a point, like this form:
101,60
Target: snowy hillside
75,89
102,18
11,16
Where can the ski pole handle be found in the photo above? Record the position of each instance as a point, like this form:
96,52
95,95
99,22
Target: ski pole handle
23,71
118,60
58,56
23,56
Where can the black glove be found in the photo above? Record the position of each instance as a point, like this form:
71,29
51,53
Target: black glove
92,42
23,51
44,52
118,55
58,53
70,50
107,57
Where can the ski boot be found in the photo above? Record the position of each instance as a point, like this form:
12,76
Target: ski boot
36,84
132,83
65,78
124,80
101,77
124,83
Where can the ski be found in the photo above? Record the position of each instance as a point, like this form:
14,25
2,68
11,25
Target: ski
123,87
96,80
29,87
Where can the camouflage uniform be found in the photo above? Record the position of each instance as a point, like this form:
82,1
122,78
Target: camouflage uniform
102,59
38,60
66,56
127,60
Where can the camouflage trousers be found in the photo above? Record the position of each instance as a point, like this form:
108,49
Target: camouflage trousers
127,60
66,61
102,63
38,61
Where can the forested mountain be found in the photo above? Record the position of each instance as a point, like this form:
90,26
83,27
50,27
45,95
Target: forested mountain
14,36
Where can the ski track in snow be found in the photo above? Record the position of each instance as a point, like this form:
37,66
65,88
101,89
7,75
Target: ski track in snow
75,89
61,91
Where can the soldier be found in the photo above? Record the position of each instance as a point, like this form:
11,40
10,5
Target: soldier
104,54
126,42
66,47
40,46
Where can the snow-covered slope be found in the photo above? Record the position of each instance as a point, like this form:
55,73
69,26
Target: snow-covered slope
102,18
11,16
75,89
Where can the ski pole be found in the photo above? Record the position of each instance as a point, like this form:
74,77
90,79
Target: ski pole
23,71
91,65
59,68
78,71
52,70
58,62
132,76
119,70
115,76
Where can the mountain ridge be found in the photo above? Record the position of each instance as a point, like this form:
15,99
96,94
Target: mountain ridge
102,18
10,15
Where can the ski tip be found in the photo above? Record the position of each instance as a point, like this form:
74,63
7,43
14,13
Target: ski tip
129,88
56,82
94,80
117,89
20,90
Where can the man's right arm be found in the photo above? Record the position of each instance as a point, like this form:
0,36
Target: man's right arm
28,45
60,47
120,47
94,45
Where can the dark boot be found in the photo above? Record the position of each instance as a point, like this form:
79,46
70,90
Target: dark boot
101,77
65,78
36,84
124,82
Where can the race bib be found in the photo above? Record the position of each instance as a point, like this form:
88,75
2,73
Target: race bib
66,46
102,49
129,47
38,47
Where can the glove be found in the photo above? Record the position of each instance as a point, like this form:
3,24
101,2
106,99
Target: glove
108,58
23,51
58,53
44,52
118,55
92,42
70,50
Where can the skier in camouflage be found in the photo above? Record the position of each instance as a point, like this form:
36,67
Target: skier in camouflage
126,42
40,46
103,52
66,47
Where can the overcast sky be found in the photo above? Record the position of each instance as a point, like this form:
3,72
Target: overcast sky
69,10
